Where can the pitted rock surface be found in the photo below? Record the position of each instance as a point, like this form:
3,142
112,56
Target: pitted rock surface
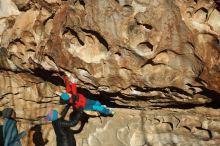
137,56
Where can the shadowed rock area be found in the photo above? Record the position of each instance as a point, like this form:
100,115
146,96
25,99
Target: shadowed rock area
155,62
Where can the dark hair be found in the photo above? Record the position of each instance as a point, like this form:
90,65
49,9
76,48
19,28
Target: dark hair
7,112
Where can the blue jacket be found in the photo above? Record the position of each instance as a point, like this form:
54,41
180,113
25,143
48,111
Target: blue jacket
10,133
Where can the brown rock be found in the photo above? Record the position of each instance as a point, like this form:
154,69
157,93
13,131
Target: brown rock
138,54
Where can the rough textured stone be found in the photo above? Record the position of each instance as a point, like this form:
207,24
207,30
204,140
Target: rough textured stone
8,8
135,56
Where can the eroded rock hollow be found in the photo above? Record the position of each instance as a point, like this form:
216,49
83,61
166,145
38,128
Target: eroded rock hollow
155,62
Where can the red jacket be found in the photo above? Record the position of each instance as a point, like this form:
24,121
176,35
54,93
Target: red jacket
81,102
71,88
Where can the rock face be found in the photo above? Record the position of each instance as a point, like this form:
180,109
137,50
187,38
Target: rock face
136,54
151,128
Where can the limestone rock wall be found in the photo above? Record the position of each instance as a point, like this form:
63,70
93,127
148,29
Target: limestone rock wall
153,128
115,46
136,54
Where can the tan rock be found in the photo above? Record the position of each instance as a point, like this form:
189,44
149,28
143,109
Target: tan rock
133,54
8,8
214,20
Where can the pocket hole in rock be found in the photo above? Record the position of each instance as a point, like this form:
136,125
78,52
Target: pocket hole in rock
127,10
118,53
147,26
145,45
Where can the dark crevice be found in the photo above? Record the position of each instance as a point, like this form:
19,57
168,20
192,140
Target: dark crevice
25,7
18,40
178,90
49,76
204,10
177,104
9,70
166,51
125,68
108,98
13,55
191,44
74,33
98,36
11,23
187,128
145,45
51,17
128,6
127,10
9,93
216,44
33,43
147,26
215,96
40,102
212,94
118,53
217,4
30,50
82,3
149,45
51,58
117,1
169,123
199,80
209,132
3,57
150,61
105,98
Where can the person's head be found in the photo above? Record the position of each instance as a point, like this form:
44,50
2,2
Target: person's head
52,115
8,113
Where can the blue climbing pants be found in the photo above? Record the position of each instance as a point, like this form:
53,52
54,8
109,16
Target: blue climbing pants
95,105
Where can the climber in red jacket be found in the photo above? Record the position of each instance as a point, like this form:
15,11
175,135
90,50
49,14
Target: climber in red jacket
79,100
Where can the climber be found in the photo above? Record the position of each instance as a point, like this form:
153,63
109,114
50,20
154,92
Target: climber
64,135
10,131
79,100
